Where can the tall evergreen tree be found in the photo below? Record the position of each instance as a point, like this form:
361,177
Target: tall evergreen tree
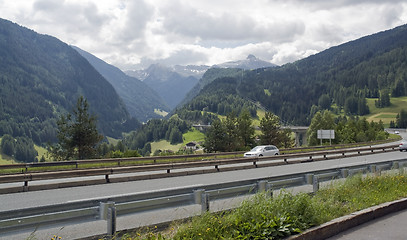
271,132
214,137
401,119
77,134
245,129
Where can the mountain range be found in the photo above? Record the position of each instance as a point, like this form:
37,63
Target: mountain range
178,84
339,79
141,101
42,78
170,85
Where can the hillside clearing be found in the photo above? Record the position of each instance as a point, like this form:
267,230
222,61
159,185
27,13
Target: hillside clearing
386,114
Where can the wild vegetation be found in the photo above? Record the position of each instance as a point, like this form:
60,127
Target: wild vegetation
285,214
238,133
344,76
41,78
77,134
347,129
156,130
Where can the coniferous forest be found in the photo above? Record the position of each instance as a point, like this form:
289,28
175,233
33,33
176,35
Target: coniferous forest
41,78
371,67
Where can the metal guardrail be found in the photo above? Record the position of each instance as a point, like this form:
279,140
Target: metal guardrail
217,165
110,207
155,159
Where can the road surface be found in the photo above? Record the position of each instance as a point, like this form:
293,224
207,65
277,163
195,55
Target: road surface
43,198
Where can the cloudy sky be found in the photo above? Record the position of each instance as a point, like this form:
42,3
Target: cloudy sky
132,34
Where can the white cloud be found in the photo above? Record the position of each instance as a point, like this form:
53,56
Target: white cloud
134,33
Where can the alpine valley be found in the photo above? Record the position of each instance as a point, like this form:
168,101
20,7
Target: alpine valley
42,77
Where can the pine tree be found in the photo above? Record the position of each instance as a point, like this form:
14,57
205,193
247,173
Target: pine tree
77,134
269,126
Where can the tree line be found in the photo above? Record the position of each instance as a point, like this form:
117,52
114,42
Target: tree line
347,129
236,133
342,76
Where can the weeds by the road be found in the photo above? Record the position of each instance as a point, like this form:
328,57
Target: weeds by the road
265,217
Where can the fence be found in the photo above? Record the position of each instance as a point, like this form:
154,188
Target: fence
166,168
109,208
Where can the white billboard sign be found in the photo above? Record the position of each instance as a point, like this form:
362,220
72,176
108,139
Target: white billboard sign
326,134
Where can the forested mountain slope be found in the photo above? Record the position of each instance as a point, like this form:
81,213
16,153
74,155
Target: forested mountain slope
42,77
171,86
343,75
139,99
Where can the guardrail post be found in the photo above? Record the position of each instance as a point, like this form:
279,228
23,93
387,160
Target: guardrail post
202,198
264,186
395,165
107,211
315,185
107,178
344,173
309,178
25,187
372,168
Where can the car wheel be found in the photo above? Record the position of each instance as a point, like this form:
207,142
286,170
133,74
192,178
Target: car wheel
261,155
276,154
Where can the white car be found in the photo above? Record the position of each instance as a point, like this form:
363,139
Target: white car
403,146
260,151
396,132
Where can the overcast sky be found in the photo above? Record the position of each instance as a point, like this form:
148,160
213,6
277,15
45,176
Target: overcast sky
132,34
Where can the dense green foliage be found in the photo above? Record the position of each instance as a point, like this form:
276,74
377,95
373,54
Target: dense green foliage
237,133
41,78
344,76
209,76
285,214
384,99
401,120
155,130
347,129
271,132
232,134
21,148
221,98
77,134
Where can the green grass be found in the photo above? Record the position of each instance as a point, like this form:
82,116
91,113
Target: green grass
386,114
112,141
160,112
165,145
194,135
4,160
265,217
256,121
41,152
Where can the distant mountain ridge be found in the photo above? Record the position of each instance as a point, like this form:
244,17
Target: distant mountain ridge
42,77
170,85
250,63
178,84
141,101
342,76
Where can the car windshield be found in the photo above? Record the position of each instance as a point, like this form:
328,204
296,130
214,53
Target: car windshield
258,148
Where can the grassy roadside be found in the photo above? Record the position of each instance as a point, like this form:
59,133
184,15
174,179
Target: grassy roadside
264,217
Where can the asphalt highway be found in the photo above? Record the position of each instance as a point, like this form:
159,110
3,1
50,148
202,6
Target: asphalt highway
47,197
